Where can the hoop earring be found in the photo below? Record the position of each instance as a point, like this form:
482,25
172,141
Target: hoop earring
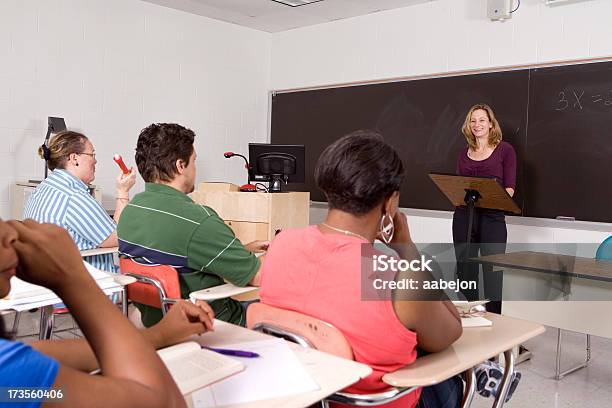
387,231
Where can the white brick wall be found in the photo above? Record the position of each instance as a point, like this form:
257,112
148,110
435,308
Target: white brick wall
111,67
436,37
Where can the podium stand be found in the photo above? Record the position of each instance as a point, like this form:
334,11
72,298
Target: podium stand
475,192
254,216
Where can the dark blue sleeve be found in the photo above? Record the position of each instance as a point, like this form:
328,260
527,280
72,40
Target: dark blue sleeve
22,366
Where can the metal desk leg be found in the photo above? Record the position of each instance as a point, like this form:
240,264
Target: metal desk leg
16,323
46,322
506,379
558,374
124,301
470,388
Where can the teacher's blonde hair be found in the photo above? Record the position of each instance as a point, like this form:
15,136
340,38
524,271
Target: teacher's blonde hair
495,134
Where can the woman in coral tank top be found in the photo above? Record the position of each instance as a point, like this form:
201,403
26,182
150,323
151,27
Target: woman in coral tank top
318,270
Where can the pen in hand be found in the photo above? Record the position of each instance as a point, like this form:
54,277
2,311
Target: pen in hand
234,353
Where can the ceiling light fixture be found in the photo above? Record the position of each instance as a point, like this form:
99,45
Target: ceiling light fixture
296,3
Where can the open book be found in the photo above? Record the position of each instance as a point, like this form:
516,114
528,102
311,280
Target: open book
471,314
193,367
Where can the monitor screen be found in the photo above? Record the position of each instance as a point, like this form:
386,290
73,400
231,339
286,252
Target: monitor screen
270,160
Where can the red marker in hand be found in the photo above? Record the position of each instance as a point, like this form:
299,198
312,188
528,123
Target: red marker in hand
117,158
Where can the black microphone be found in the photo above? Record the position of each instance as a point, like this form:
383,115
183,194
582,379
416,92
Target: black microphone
247,166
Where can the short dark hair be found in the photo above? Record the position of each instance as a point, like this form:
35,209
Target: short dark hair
358,171
159,146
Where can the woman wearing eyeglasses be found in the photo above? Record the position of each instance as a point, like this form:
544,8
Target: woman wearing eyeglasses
64,199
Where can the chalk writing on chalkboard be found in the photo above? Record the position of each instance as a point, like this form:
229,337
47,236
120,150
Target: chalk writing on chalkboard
577,101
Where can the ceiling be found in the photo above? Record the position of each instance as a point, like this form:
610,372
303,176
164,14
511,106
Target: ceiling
270,16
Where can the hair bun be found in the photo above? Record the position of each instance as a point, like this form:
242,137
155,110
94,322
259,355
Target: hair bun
46,153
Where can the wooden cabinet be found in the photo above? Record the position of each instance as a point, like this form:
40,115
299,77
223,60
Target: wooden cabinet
21,191
254,216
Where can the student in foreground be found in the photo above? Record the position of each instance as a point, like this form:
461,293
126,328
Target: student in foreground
132,375
317,270
163,225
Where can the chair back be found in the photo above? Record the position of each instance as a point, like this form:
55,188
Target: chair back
604,251
299,328
155,283
314,333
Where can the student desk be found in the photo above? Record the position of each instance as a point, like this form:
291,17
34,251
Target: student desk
475,345
585,268
593,280
46,301
122,279
329,372
99,251
333,374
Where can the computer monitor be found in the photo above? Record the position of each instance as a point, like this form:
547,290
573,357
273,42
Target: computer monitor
276,164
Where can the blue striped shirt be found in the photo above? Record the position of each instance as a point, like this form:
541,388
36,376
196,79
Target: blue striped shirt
64,200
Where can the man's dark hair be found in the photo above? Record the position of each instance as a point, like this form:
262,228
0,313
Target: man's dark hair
159,146
358,171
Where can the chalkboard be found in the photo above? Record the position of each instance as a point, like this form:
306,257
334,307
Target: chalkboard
558,120
568,154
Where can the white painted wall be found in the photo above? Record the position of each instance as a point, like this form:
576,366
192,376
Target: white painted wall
443,36
111,67
440,36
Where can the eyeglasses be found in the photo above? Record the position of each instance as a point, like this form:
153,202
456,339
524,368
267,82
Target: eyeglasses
93,155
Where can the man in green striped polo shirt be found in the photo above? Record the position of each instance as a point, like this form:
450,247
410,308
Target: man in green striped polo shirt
162,225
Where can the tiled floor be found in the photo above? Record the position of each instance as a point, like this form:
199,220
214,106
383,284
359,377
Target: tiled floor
64,328
587,388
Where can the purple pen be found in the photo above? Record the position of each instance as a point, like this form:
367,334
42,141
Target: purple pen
234,353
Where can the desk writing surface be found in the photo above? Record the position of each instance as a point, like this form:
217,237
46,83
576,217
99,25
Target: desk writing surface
100,251
33,296
52,298
329,372
586,268
475,345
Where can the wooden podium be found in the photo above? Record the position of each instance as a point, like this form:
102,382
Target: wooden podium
475,192
254,216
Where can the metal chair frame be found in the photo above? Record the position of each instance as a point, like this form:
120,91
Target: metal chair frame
360,400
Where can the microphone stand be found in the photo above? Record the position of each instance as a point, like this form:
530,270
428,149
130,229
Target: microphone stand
54,125
248,187
46,143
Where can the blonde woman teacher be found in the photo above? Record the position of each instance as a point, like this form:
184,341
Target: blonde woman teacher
486,155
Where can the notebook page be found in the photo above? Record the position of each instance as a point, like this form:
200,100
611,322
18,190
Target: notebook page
276,373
